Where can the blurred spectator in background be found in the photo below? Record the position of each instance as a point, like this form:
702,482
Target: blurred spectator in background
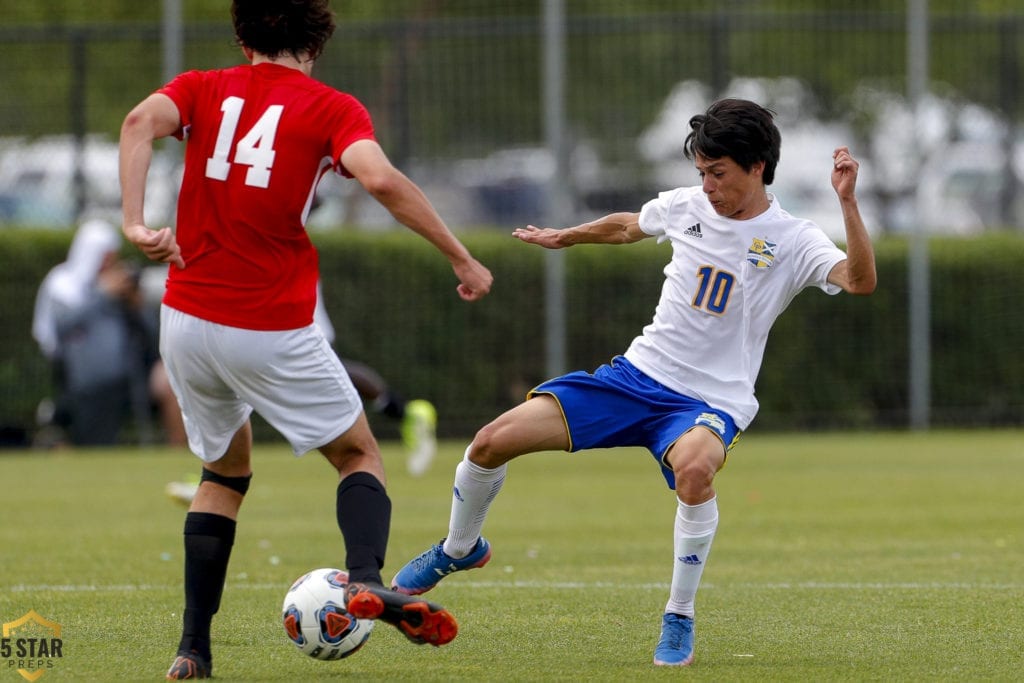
418,417
90,324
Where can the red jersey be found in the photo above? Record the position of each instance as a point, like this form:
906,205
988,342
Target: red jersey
259,138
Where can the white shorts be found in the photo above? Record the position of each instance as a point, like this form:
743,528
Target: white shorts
221,374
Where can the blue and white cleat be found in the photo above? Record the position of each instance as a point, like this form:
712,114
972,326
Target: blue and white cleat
676,645
422,573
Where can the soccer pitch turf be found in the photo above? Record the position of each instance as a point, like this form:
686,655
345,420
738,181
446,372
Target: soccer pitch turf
839,557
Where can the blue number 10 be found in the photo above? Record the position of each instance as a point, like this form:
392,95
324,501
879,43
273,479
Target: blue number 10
712,290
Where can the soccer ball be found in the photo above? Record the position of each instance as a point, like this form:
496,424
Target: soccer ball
315,619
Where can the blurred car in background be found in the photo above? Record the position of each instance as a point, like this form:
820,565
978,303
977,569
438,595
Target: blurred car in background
944,165
39,187
969,187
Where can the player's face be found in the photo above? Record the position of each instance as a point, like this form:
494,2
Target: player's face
733,192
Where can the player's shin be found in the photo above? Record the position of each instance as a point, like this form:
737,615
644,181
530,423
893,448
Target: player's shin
208,542
695,527
475,488
364,517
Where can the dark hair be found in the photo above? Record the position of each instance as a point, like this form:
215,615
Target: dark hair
739,129
273,27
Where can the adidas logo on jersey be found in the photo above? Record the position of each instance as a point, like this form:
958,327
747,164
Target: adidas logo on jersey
689,559
693,231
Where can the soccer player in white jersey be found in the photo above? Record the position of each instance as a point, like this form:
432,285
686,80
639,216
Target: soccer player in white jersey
685,387
236,327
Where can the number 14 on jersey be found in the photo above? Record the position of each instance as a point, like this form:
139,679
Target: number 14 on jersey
255,149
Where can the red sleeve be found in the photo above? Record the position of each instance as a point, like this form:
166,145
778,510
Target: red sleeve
183,90
351,123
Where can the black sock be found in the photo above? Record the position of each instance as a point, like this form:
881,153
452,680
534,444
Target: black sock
364,517
208,541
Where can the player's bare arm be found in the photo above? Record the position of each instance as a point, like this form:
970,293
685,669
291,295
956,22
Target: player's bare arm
153,118
615,228
406,202
856,274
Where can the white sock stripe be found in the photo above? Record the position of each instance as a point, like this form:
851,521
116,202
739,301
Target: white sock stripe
697,520
484,474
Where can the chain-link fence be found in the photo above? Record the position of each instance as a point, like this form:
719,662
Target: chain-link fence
457,102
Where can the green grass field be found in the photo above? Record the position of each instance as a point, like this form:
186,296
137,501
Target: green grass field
839,557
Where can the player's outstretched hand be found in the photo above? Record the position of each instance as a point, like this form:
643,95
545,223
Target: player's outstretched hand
474,280
844,173
158,245
545,237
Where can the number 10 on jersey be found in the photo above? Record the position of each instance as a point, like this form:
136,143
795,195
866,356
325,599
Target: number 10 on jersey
713,288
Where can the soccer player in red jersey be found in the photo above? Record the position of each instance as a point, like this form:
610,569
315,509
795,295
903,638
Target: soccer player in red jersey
237,331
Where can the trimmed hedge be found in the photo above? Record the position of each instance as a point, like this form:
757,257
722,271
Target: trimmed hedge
831,362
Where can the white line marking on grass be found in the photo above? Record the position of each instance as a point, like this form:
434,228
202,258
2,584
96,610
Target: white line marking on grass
533,585
82,588
803,585
869,585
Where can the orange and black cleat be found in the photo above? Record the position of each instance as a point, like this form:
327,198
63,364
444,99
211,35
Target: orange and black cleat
421,621
189,665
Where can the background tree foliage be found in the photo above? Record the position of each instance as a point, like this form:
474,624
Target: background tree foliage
656,43
76,11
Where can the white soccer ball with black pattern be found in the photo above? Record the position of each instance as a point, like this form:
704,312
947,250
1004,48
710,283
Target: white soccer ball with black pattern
315,618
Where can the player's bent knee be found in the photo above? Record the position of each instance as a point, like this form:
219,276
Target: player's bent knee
693,475
485,450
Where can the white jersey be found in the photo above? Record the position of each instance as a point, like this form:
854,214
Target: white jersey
727,282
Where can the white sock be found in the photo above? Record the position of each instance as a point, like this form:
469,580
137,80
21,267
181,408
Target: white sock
475,488
694,530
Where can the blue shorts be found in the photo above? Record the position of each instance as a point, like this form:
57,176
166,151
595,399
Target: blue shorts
618,405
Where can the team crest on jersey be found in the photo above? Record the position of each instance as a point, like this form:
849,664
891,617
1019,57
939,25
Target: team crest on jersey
761,253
